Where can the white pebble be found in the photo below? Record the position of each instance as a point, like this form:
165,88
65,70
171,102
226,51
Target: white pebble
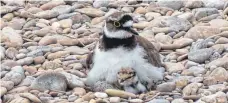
100,95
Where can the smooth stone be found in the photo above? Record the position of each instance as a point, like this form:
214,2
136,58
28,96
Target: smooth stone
3,91
114,99
79,91
39,59
119,93
27,81
220,74
2,52
16,23
203,12
13,36
100,3
219,23
51,65
159,101
194,4
11,52
202,32
57,55
35,53
91,12
196,70
72,80
50,81
25,61
174,67
100,95
214,4
72,98
174,23
47,14
200,55
16,75
65,23
174,4
75,50
7,84
162,38
42,32
31,97
191,89
63,9
51,4
47,40
166,87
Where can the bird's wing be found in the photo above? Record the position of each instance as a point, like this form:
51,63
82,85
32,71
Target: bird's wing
152,54
89,59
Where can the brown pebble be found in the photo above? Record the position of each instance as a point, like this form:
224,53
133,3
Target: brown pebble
39,60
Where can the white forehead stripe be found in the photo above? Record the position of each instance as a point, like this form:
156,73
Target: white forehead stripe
128,23
116,34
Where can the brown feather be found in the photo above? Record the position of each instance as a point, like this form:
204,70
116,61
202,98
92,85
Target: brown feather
152,54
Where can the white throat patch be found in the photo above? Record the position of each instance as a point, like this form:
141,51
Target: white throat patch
117,34
128,23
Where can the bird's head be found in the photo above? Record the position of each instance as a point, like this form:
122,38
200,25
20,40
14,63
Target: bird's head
118,25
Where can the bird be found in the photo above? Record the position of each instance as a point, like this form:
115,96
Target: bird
121,46
128,80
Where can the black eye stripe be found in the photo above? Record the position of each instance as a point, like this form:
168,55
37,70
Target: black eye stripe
125,18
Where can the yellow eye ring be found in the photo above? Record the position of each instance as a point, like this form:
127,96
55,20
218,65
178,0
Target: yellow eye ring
116,23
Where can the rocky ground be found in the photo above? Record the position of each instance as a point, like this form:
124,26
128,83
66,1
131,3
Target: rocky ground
44,45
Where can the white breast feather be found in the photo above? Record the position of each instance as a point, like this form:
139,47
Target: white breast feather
108,63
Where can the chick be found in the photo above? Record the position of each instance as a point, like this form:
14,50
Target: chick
129,81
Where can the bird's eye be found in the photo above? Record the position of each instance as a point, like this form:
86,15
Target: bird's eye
116,24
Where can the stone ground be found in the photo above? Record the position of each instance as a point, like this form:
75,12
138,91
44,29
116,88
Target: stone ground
44,44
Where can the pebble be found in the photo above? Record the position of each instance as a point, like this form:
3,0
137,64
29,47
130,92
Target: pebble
25,61
57,55
79,91
31,97
220,74
39,59
13,36
72,80
203,12
166,87
72,98
201,32
114,99
3,91
16,75
201,55
51,65
66,23
191,89
159,101
47,40
91,12
119,93
7,84
11,52
174,67
50,81
100,95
